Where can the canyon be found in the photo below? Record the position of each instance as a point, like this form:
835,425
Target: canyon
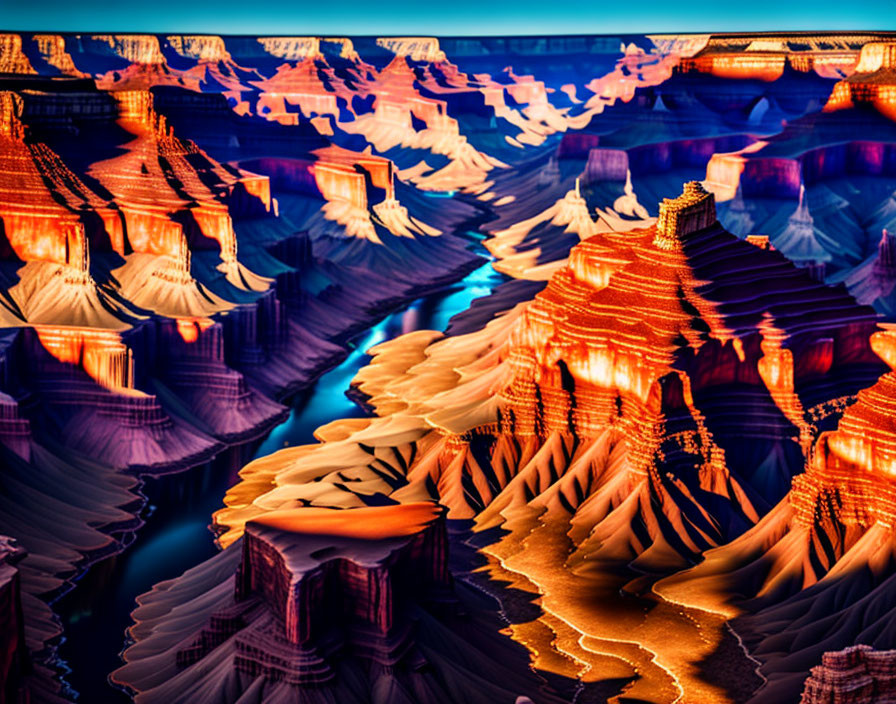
506,369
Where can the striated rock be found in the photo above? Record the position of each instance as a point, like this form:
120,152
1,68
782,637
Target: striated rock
14,664
747,56
634,350
859,674
291,48
367,571
641,409
293,91
415,48
53,51
327,604
821,562
873,83
12,58
643,393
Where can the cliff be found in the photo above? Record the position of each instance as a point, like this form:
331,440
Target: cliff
873,83
765,58
327,603
856,674
797,569
14,663
647,405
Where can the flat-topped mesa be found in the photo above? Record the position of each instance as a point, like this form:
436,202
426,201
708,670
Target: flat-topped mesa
415,48
291,48
855,675
136,48
203,48
336,581
12,58
693,210
873,83
876,56
747,56
343,174
52,50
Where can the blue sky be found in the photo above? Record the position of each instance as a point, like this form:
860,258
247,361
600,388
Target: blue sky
444,17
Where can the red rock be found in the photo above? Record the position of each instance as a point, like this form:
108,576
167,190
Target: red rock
856,675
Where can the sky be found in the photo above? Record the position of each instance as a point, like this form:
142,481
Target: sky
443,17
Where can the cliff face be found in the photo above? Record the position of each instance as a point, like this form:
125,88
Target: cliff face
832,533
649,404
328,603
157,301
14,664
645,393
873,83
611,387
362,585
857,674
765,58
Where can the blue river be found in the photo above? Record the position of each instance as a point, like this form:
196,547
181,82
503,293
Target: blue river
176,533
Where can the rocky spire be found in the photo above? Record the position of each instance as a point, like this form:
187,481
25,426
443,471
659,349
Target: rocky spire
885,264
694,209
798,241
77,256
10,112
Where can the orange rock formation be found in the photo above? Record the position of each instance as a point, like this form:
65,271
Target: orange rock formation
873,83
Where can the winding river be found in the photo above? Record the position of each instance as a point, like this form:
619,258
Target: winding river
176,533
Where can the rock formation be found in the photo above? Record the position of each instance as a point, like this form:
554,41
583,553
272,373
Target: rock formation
855,674
13,654
193,228
873,83
326,604
808,556
607,413
745,56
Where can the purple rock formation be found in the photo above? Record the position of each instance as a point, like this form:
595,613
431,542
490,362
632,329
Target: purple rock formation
13,654
323,605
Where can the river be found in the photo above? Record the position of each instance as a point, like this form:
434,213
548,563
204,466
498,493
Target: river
176,536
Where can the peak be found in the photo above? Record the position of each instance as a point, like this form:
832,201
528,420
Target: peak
694,209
